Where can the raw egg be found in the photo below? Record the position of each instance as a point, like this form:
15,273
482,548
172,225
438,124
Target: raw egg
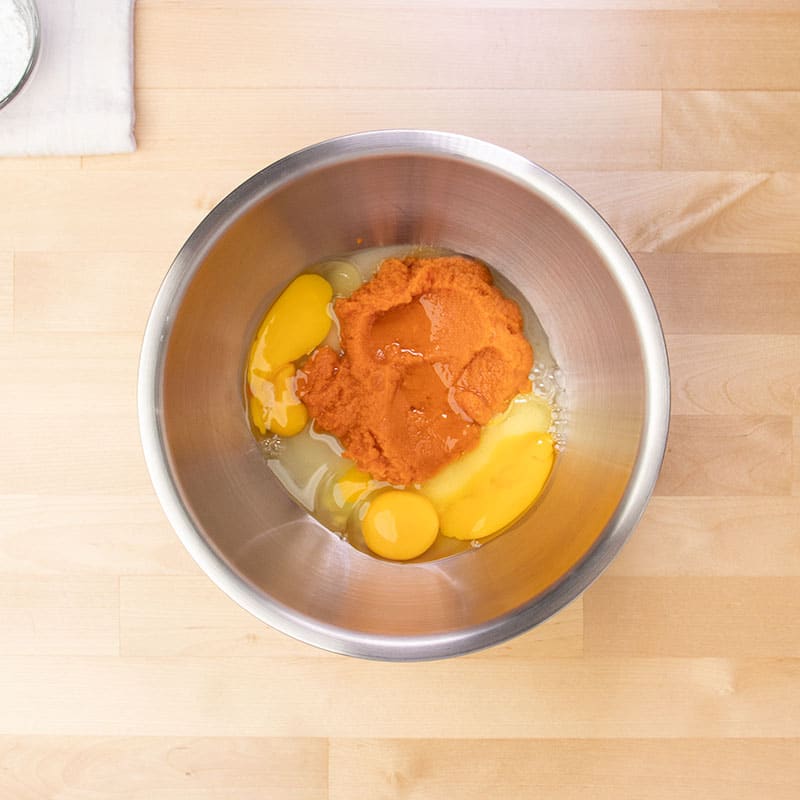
492,485
480,494
275,406
400,524
295,324
351,487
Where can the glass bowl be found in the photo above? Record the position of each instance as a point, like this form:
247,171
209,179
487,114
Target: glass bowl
20,39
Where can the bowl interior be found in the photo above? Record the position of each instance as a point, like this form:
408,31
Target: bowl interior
272,556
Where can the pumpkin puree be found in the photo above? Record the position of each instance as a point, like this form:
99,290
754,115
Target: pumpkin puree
431,351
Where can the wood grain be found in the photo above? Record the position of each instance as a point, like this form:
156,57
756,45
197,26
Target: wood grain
70,408
89,211
163,768
255,126
102,456
739,293
734,374
796,456
88,534
697,212
172,616
6,291
104,292
487,4
126,674
44,164
735,125
727,455
74,375
249,48
61,615
579,5
575,769
715,536
718,50
615,697
239,45
693,617
756,5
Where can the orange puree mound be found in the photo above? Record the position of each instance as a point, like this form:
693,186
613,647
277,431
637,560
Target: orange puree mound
431,351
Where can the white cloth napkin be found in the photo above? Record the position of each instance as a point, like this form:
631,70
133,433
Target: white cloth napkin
79,100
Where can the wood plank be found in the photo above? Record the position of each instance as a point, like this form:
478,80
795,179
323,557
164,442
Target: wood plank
365,47
693,617
521,4
745,130
745,536
88,534
240,46
60,615
253,127
727,455
68,375
751,49
738,292
796,456
174,616
69,422
567,769
757,5
93,211
6,291
544,698
578,5
38,163
93,454
102,292
734,374
192,617
697,212
164,768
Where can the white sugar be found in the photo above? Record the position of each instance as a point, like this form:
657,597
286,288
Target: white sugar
15,45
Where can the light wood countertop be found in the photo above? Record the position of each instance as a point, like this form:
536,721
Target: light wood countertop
125,673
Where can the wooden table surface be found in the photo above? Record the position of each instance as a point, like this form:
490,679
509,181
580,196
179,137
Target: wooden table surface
124,673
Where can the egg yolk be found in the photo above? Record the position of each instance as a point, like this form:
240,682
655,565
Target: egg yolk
351,487
501,489
489,487
400,525
295,324
275,406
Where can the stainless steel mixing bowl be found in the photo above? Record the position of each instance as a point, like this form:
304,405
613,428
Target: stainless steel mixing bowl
395,187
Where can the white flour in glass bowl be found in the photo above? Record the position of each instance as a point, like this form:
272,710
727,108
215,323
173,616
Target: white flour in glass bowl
16,45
